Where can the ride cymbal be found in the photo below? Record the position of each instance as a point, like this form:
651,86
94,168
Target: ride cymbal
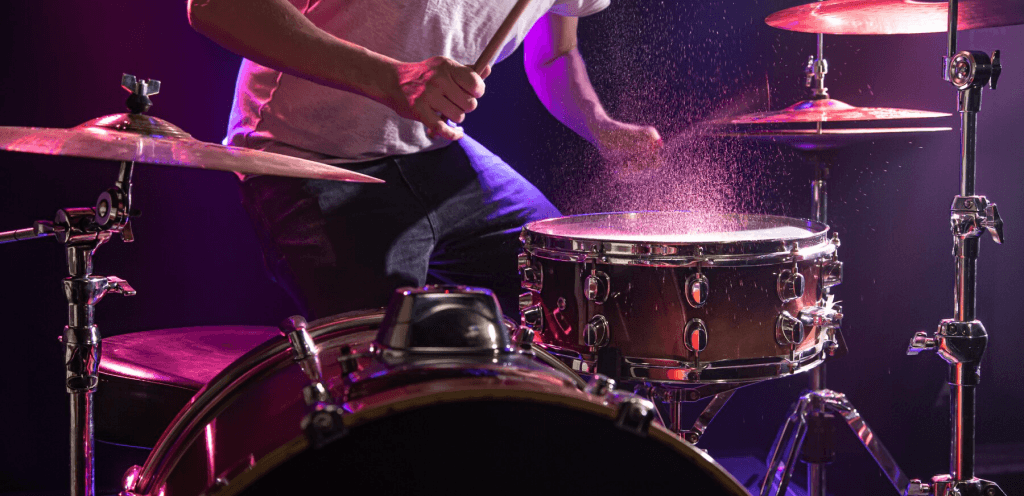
895,16
826,139
141,138
828,110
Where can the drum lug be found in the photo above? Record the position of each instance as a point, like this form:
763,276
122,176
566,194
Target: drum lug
635,415
695,335
532,317
596,333
789,330
697,289
596,287
532,277
306,354
790,285
600,385
831,273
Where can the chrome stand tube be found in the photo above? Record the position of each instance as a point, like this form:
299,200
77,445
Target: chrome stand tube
81,359
961,341
819,209
82,466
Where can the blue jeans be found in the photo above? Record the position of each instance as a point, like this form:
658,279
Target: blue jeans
448,216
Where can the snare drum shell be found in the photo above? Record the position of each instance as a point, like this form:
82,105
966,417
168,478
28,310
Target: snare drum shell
629,276
647,310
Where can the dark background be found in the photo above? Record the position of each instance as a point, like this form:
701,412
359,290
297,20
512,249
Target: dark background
671,64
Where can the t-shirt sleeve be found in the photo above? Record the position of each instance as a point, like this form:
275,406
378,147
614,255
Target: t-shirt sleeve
579,8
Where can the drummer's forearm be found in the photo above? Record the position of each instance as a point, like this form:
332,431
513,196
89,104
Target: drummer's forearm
559,77
275,34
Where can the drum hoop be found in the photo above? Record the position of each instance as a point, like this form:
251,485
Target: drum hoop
245,370
475,389
582,249
757,369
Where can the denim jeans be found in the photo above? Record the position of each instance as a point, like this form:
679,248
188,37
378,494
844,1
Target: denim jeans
447,216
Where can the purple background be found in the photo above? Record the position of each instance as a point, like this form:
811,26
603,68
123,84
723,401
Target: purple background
195,261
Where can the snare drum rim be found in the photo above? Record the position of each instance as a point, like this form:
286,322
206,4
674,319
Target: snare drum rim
246,370
582,249
479,389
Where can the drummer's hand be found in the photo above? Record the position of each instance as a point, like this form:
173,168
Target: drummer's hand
629,145
436,90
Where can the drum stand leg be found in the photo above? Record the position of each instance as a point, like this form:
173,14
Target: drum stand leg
674,399
82,231
826,405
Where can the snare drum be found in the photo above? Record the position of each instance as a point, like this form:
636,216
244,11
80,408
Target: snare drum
477,422
681,297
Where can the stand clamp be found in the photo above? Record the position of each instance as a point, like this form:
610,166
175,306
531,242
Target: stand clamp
971,216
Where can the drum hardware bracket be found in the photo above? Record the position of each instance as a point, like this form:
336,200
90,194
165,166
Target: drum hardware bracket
597,286
597,332
635,415
324,423
695,339
714,406
697,289
972,216
793,434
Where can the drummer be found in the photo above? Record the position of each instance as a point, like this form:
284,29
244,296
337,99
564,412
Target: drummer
371,85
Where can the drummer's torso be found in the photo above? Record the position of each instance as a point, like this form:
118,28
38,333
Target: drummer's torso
273,107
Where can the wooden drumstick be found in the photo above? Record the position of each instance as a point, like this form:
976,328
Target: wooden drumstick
491,50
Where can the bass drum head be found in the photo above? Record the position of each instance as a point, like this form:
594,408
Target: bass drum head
496,447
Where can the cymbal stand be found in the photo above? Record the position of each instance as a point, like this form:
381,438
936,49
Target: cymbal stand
961,341
82,231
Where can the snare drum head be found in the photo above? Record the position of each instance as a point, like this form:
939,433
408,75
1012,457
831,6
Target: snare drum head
670,234
678,227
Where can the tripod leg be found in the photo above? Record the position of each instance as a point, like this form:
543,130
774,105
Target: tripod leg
714,406
790,438
837,403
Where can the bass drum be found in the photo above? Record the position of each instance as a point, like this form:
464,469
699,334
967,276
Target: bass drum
501,423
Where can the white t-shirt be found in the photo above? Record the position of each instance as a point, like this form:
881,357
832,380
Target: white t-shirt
281,113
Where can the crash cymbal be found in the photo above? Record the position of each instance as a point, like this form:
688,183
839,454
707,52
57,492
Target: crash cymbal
141,138
828,110
895,16
826,139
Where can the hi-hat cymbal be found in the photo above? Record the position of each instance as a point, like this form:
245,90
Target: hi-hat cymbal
895,16
828,110
145,139
826,139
